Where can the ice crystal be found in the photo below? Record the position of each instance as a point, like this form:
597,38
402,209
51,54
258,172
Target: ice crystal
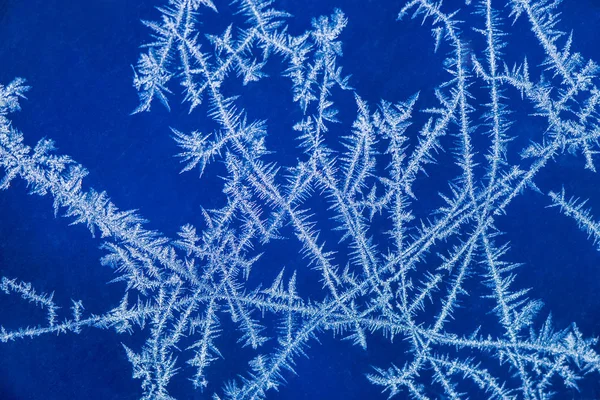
395,274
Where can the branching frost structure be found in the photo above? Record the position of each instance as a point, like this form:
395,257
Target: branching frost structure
405,282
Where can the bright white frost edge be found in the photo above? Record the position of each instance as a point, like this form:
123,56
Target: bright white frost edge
186,285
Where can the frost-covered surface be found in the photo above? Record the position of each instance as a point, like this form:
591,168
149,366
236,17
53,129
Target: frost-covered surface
431,282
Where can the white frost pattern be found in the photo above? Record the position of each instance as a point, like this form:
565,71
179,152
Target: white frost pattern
386,283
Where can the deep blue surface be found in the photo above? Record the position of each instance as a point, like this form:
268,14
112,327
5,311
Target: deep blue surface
77,58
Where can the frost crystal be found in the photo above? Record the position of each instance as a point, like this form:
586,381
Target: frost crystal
396,274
